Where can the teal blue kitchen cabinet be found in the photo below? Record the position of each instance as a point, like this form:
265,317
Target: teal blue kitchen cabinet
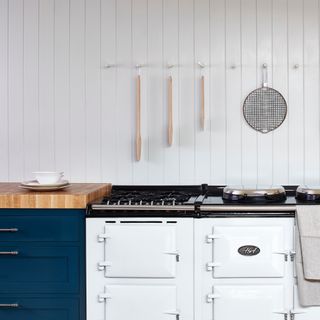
42,275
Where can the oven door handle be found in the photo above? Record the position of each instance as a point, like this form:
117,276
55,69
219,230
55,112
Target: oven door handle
175,313
174,253
284,253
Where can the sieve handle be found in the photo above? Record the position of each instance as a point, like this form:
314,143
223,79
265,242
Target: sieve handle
264,75
202,110
170,112
138,118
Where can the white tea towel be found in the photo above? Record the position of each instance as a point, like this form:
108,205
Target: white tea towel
308,254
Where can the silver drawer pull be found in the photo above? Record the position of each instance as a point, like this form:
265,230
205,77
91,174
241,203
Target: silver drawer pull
7,253
9,305
9,230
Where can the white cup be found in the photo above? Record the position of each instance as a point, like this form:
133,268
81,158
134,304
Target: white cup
48,177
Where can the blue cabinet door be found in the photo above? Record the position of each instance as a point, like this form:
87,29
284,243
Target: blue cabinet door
40,225
39,269
39,309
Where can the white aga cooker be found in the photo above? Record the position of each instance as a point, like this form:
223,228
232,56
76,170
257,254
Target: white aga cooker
194,254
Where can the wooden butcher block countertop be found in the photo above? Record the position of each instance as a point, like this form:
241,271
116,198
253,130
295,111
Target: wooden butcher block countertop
76,196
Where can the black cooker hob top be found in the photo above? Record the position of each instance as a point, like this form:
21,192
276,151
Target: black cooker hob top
149,198
190,200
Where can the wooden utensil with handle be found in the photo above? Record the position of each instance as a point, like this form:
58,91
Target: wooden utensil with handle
138,118
170,112
202,106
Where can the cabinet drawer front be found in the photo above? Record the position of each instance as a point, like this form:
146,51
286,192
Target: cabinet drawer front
39,309
34,269
40,225
248,251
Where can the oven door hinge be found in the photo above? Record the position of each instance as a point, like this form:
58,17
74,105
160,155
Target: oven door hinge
211,265
294,312
212,296
103,237
211,237
102,265
102,297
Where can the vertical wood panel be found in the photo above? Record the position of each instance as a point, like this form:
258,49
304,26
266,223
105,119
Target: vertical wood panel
171,56
62,110
16,83
46,85
264,55
280,83
186,91
108,90
248,84
139,56
233,92
125,99
92,90
77,119
155,106
202,54
4,39
62,86
295,89
31,83
311,90
218,92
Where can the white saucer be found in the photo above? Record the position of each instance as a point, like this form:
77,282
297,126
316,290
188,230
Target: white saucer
35,185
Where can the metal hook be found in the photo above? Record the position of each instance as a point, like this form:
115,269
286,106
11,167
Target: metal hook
109,65
265,66
233,66
201,64
170,66
296,66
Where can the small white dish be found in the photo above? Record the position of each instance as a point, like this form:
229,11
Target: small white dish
48,177
34,185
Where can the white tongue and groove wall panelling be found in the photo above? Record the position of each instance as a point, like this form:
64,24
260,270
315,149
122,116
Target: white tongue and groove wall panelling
67,89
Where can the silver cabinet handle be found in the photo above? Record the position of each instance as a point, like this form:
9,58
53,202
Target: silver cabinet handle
9,230
11,253
9,305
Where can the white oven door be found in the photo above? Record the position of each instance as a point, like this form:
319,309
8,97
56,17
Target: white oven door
140,250
140,302
248,251
249,302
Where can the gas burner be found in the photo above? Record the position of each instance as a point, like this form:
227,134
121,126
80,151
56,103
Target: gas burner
254,194
148,198
308,193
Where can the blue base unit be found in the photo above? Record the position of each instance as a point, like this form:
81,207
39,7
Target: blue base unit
19,308
42,264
